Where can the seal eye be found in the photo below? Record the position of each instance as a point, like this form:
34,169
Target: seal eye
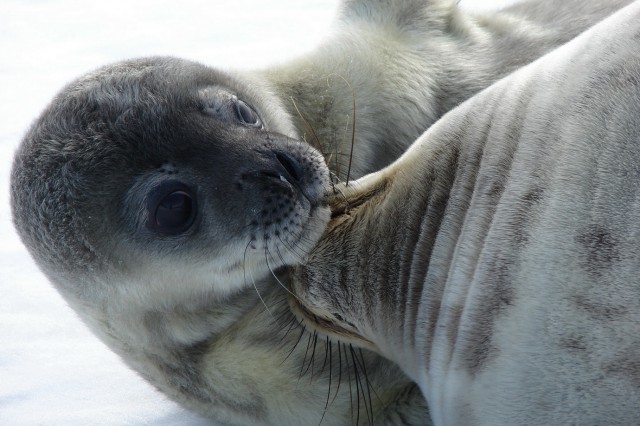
247,115
172,212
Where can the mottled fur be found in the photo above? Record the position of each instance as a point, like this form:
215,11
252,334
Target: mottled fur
182,310
498,260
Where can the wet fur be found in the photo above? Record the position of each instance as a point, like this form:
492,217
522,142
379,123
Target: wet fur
498,260
203,318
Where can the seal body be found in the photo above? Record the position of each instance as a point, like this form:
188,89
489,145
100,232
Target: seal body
406,63
162,199
498,261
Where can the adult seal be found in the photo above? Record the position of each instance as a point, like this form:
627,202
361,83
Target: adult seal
161,197
498,261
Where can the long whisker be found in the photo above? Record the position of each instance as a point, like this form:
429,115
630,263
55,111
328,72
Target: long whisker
353,120
348,379
307,125
301,258
293,321
280,282
356,373
328,348
368,383
339,373
302,330
292,250
304,360
337,163
313,355
280,254
244,270
353,136
341,154
360,385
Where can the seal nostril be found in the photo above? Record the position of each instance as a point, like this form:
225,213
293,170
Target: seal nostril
290,164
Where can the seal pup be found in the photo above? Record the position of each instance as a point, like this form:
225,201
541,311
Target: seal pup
166,237
498,261
169,202
409,62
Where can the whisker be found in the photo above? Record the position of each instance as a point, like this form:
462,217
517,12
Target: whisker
278,252
348,381
280,282
356,373
353,120
335,179
292,249
313,355
304,360
370,388
353,135
336,160
309,126
367,401
301,258
302,330
332,153
244,271
285,313
328,348
292,323
366,378
339,373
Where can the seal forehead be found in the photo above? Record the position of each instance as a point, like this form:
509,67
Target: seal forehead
74,162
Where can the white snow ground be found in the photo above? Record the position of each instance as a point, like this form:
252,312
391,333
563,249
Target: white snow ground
52,370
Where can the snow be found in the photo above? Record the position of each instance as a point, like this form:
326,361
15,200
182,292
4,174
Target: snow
53,371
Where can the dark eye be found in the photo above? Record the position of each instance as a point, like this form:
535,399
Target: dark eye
173,210
247,115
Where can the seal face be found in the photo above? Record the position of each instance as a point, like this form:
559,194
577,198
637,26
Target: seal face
146,166
166,167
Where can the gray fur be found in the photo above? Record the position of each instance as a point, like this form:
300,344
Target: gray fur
498,260
182,309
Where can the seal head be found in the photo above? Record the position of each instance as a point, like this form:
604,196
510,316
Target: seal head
155,163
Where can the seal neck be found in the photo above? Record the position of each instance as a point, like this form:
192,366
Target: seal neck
376,270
